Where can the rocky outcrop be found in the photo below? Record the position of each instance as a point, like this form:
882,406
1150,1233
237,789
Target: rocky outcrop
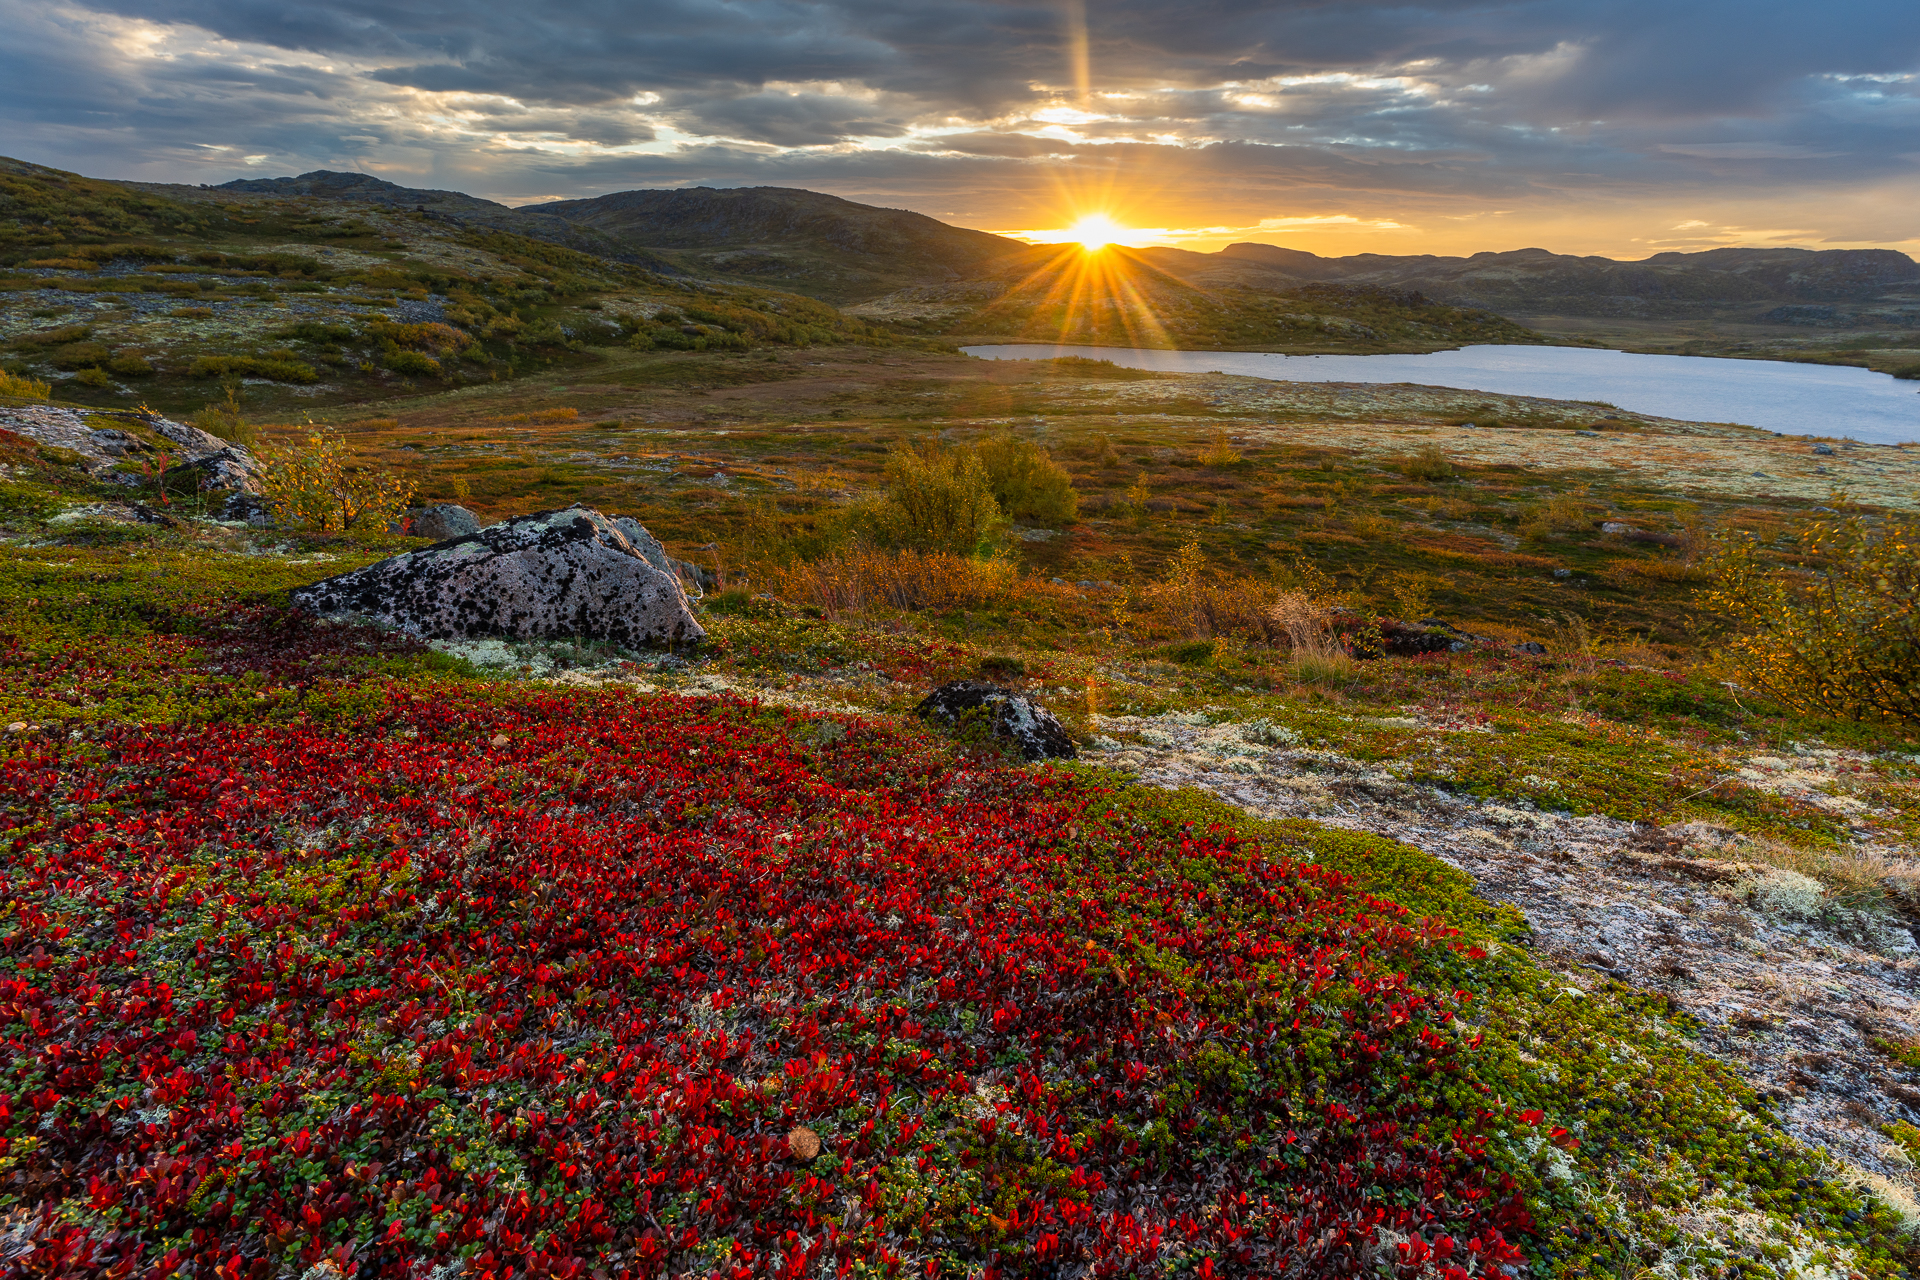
558,574
1006,715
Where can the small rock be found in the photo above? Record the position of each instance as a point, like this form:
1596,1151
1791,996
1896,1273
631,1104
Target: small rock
1563,573
500,740
439,522
1010,716
1825,450
1617,526
1533,647
1586,433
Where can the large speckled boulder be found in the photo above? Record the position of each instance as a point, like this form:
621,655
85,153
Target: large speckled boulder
571,573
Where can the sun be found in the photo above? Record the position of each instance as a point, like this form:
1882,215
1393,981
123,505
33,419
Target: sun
1095,231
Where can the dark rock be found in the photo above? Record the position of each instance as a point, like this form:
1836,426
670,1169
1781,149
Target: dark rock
570,573
231,468
1010,716
1824,450
245,508
692,575
1533,647
439,522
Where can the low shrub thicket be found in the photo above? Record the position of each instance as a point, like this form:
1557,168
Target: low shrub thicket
1841,639
863,579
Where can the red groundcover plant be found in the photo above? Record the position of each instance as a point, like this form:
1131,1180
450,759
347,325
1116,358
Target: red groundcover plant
538,984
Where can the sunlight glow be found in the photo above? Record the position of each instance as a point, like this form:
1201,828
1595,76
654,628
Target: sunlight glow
1096,231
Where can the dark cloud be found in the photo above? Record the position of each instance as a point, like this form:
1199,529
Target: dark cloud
1237,107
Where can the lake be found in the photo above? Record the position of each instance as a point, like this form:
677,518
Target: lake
1793,399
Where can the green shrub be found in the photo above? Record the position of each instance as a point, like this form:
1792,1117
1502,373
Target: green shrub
1026,481
274,370
1843,641
940,500
413,364
226,421
1428,464
1911,371
80,355
93,378
130,366
53,337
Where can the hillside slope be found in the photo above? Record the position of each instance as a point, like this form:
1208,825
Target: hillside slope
453,206
811,243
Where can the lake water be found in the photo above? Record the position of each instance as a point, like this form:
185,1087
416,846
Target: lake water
1793,399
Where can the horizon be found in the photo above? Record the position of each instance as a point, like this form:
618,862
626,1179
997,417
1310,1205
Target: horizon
1621,130
1066,238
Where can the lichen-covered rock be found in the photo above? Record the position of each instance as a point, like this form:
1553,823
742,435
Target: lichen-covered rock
230,469
1009,716
556,574
441,521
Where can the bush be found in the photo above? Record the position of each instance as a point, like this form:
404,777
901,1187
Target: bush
226,421
316,485
1026,481
93,378
412,364
1428,464
130,366
14,384
940,500
80,355
1843,641
274,370
1220,452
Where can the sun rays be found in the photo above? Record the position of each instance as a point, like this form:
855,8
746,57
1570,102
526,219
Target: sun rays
1095,231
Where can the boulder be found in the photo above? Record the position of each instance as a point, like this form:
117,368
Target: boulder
439,522
231,469
569,573
1009,716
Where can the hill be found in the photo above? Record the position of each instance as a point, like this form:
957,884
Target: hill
452,206
297,293
1535,281
814,244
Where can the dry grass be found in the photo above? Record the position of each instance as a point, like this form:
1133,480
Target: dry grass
541,415
865,580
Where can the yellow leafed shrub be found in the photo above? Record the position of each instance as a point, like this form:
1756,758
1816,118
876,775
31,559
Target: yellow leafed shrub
14,384
316,485
1841,638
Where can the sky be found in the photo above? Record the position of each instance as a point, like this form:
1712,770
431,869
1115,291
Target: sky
1616,127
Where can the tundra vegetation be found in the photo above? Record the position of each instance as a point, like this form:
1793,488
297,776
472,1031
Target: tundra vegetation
326,948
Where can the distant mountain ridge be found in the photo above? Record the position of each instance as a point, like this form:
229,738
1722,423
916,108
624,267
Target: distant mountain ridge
892,260
1537,280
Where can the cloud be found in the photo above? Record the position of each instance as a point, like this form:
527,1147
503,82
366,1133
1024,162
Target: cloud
1212,113
1747,151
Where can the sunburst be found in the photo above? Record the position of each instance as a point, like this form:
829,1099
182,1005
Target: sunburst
1095,231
